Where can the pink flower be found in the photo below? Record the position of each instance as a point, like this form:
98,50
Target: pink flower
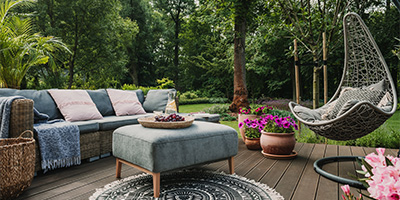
241,124
346,189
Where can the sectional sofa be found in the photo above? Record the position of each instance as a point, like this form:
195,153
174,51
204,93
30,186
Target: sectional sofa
95,135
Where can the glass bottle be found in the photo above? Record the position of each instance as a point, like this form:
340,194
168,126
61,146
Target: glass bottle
171,105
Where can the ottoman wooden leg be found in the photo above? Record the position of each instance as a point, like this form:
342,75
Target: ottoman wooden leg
231,165
156,184
118,169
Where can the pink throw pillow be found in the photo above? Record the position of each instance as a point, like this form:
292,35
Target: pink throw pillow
75,105
125,102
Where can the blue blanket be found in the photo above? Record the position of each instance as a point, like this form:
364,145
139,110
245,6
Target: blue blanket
59,144
5,110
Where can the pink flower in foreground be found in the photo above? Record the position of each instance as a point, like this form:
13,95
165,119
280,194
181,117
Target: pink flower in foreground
346,189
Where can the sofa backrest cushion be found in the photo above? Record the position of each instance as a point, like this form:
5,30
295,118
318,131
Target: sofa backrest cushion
75,105
125,102
42,100
156,100
140,95
102,101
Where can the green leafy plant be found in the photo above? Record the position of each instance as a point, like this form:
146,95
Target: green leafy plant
217,109
20,48
165,83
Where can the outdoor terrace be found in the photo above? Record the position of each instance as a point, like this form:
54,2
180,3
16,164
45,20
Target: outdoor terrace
293,179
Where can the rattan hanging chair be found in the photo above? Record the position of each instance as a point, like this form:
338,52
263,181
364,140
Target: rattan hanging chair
364,65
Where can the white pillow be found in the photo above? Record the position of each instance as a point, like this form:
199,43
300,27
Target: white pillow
75,105
125,102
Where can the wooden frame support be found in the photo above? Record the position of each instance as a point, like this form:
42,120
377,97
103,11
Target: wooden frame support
231,165
157,176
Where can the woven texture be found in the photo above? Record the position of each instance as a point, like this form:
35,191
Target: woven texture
364,66
17,165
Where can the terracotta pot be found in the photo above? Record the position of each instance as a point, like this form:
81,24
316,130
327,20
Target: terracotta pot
241,118
253,143
277,143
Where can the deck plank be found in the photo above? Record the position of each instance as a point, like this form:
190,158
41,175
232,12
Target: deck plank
328,189
309,180
288,182
346,169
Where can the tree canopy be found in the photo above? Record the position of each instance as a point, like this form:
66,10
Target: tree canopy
117,42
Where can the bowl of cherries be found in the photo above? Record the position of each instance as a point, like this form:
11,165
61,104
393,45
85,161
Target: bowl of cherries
172,121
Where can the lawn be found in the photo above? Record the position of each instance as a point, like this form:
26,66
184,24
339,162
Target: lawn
199,107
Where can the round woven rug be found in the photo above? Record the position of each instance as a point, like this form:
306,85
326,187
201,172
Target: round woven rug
185,185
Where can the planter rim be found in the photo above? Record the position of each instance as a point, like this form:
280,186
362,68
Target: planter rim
276,134
252,138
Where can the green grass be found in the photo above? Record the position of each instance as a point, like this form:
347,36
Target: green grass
194,107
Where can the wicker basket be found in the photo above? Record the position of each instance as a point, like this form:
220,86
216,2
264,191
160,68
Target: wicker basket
149,122
17,165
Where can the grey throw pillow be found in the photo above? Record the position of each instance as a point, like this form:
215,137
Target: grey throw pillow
307,114
156,100
372,96
347,106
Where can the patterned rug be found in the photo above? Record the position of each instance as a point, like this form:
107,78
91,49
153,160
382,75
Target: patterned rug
188,185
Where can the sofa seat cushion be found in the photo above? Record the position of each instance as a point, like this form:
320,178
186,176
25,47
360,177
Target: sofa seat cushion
87,126
113,122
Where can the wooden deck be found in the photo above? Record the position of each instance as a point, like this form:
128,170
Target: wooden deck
293,179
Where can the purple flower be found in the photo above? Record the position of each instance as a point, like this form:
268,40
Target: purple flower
246,120
285,124
254,125
296,127
278,121
241,124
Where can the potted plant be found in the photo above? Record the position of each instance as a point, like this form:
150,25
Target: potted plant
277,137
248,113
252,130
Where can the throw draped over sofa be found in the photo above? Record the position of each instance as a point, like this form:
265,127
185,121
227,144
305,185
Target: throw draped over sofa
364,68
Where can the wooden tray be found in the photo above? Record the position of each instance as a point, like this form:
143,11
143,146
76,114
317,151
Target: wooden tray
149,122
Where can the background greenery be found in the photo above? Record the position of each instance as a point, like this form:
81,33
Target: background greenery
136,42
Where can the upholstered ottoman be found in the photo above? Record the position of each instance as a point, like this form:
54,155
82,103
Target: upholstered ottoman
159,150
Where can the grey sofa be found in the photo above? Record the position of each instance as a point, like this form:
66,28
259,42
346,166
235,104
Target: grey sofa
95,135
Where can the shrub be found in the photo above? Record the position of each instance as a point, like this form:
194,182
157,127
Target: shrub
134,87
217,109
189,95
227,117
165,83
183,101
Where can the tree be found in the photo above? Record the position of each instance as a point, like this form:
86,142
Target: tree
97,35
176,10
240,94
306,21
20,48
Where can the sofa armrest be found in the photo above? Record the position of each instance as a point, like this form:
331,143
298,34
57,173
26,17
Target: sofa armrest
21,118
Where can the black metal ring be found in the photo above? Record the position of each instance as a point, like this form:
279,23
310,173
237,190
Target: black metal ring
321,162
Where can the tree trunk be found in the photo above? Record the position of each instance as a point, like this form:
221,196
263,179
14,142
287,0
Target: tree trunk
315,83
74,52
240,94
176,51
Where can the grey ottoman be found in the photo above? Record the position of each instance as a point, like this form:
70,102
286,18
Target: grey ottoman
159,150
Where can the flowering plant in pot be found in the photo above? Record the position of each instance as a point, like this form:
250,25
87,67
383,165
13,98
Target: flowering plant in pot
252,129
278,135
381,177
251,114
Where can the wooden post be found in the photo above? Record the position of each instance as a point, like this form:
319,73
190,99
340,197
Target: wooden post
325,67
297,77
